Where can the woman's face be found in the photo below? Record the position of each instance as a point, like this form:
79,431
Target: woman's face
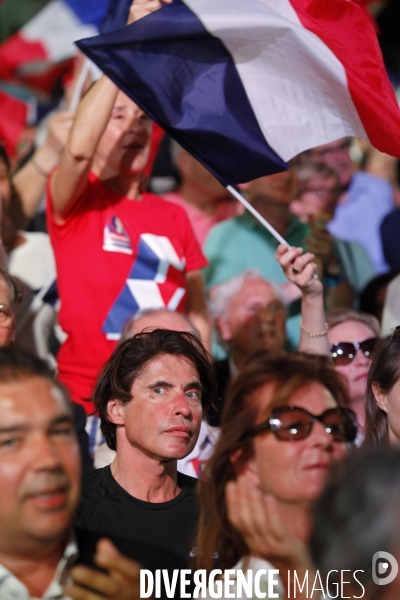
390,403
295,472
356,372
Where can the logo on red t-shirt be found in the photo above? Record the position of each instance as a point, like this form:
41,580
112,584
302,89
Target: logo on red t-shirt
115,237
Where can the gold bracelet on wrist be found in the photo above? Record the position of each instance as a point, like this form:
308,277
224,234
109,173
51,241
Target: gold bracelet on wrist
39,168
314,334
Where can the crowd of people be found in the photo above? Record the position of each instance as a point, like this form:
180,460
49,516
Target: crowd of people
180,391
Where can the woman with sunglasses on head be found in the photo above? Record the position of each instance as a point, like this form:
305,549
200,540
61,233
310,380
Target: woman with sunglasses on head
352,338
284,423
382,405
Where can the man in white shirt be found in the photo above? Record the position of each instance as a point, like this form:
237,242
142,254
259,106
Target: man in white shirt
40,487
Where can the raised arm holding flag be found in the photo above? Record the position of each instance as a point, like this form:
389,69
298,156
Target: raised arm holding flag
118,248
246,86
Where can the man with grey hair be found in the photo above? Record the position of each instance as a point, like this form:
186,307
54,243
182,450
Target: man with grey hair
156,318
249,315
162,318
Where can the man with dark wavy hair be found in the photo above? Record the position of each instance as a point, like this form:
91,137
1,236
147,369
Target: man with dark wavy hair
150,399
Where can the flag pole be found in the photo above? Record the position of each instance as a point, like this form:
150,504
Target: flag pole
256,214
261,219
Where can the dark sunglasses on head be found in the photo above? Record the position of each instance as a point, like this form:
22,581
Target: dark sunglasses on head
293,423
342,353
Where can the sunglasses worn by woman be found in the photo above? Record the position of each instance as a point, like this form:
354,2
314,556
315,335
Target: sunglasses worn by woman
286,421
343,353
352,340
293,423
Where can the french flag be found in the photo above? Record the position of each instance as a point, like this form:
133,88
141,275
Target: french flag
49,36
246,85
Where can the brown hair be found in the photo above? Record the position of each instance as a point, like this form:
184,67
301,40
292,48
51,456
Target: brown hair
130,358
384,373
289,373
341,315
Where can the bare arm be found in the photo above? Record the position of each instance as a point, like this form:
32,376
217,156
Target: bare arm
312,300
196,306
30,181
321,244
90,121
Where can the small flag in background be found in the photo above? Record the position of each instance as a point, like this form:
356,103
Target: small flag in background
13,114
49,36
245,86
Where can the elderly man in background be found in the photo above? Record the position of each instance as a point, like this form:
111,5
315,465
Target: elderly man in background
250,315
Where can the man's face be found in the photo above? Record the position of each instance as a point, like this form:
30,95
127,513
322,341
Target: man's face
39,465
273,188
336,155
7,316
163,418
255,320
125,144
319,197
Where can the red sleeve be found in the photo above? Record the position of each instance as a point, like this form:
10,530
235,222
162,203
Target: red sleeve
195,258
60,229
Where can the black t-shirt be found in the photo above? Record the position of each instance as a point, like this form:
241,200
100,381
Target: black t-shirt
108,509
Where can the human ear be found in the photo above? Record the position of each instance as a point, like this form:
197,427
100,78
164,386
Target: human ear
115,412
224,329
380,397
247,471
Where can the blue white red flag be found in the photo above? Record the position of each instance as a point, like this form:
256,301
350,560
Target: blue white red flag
246,85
